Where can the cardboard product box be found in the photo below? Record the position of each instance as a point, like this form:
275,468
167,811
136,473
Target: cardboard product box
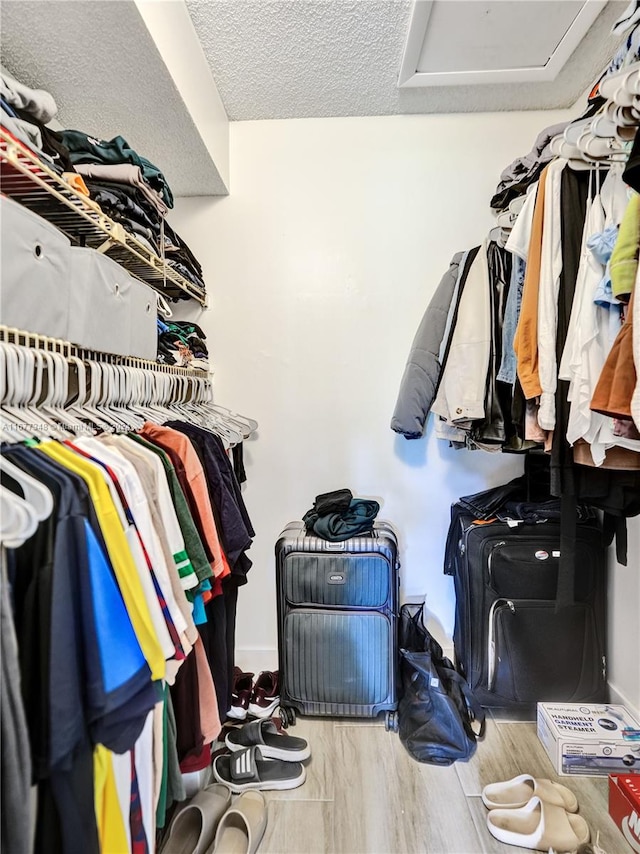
624,807
589,740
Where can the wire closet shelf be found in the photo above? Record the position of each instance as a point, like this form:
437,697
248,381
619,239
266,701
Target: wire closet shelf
29,181
20,337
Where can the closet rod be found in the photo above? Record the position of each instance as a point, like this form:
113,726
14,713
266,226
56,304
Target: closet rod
8,335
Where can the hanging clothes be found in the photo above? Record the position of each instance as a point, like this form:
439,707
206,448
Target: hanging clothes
461,394
422,372
104,621
16,755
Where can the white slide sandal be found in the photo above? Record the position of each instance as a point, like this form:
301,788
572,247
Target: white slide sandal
517,792
539,826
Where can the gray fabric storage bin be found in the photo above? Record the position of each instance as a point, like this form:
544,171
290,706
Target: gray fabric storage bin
109,309
35,281
143,342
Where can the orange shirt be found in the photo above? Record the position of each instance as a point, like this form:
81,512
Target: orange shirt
525,342
614,389
197,483
210,725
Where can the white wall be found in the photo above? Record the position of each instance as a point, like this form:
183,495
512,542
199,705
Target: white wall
320,264
624,622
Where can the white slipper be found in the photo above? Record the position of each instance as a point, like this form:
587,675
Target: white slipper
193,828
242,827
539,826
517,792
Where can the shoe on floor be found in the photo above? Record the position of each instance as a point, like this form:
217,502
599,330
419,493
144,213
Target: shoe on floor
517,792
539,826
246,769
265,697
272,744
193,829
240,694
242,827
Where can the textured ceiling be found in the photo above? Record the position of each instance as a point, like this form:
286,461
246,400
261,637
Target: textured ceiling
276,59
104,70
270,59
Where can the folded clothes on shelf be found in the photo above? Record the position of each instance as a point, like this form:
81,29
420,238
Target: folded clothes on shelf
113,152
125,174
39,104
182,343
126,186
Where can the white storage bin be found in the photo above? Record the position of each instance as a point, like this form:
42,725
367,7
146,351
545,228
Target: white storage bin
34,282
109,309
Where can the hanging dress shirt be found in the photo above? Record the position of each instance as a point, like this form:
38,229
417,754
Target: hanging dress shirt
550,270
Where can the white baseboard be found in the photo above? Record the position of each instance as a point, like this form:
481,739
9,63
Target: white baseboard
255,660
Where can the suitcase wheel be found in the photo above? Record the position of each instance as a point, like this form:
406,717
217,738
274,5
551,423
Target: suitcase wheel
391,723
287,716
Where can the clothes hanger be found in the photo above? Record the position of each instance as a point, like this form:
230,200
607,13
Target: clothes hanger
107,403
52,407
101,419
8,430
35,493
16,419
189,405
78,406
70,365
140,395
160,390
183,394
163,307
218,423
622,85
146,396
118,396
505,219
128,397
166,394
250,423
18,520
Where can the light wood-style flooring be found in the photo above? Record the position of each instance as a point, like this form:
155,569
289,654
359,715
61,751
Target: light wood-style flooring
364,793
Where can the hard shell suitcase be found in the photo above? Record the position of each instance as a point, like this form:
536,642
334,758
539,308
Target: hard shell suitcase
513,644
337,624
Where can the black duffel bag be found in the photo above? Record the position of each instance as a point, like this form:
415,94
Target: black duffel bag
439,719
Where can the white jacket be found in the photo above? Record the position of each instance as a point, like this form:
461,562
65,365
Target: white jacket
588,339
461,396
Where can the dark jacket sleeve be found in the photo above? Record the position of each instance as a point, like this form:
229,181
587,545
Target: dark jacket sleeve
422,371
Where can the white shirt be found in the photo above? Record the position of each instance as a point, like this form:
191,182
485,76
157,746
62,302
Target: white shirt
520,237
635,400
588,340
550,270
132,489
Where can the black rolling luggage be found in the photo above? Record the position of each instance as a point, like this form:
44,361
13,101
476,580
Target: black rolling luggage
515,642
337,624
